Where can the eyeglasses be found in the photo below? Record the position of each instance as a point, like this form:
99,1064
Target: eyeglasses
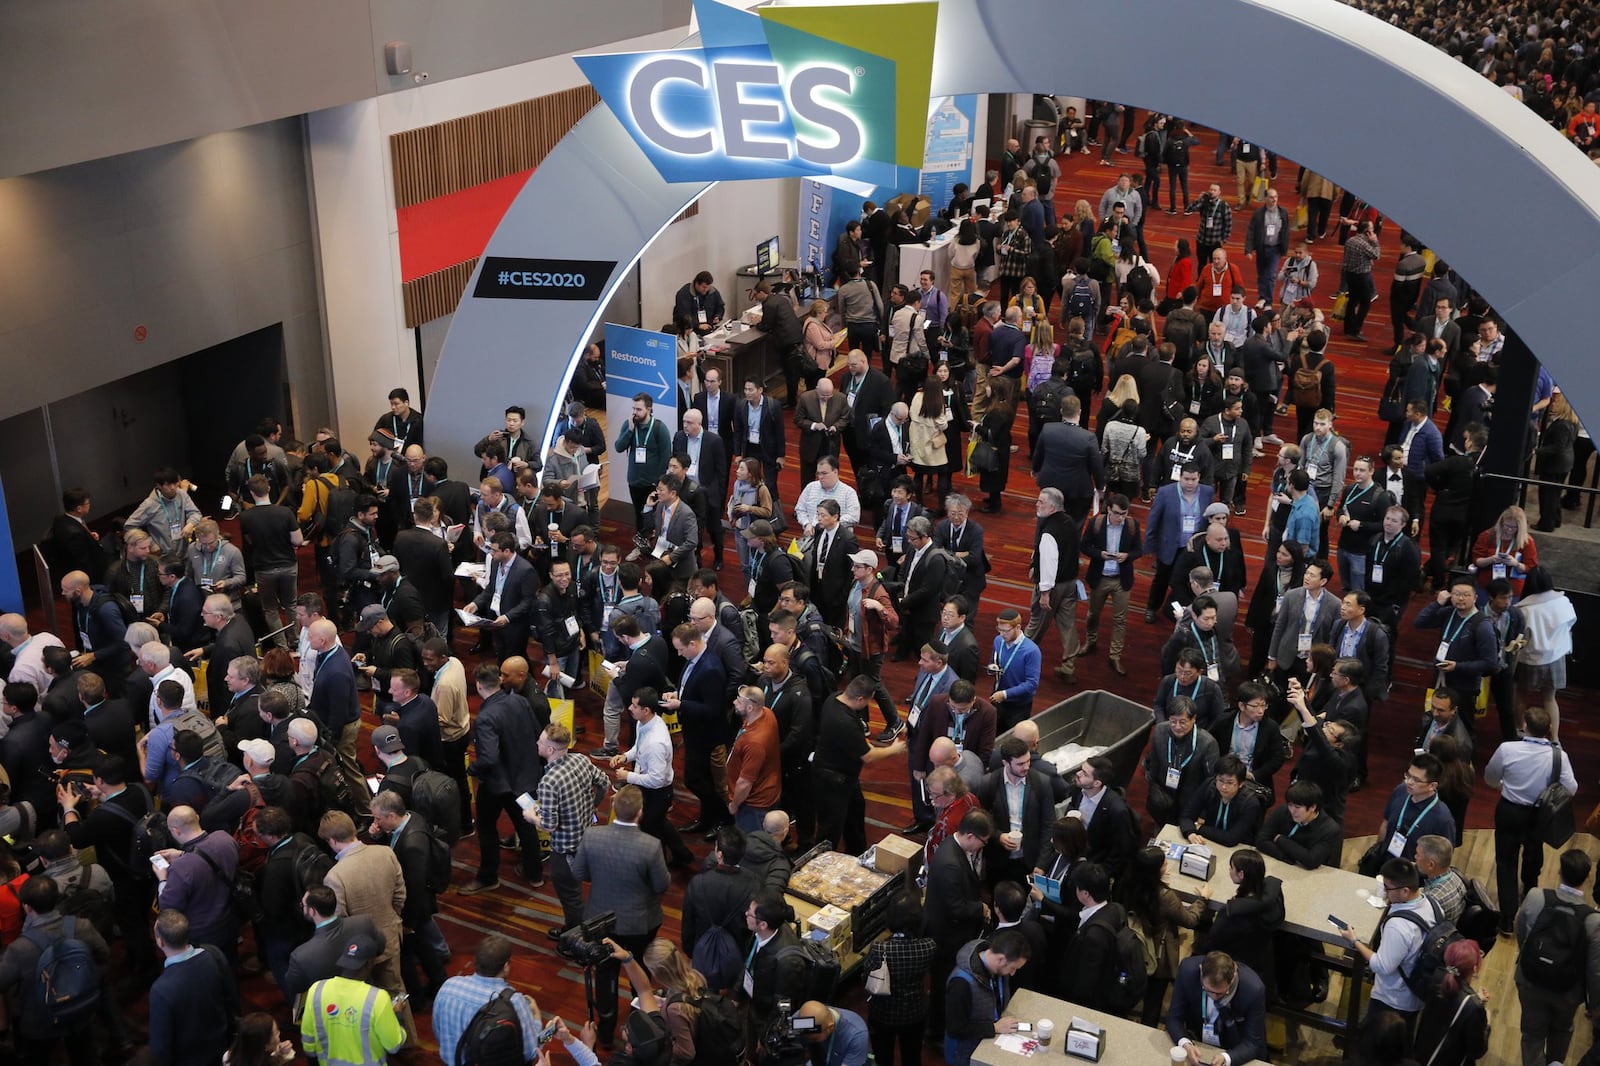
936,795
1413,779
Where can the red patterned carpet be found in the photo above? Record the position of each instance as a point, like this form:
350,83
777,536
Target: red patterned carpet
524,914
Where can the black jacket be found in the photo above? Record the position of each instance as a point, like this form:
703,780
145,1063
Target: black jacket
1091,958
953,913
1318,843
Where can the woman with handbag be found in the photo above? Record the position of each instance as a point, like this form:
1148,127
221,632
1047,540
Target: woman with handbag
929,418
897,976
748,501
956,406
1124,446
991,453
819,345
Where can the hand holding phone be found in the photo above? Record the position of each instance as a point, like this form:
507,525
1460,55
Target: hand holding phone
1339,923
548,1033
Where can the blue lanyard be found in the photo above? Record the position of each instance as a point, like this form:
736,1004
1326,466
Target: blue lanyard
1193,692
1007,664
416,485
1183,765
1399,818
1352,497
1222,560
758,563
1384,547
1224,808
1461,623
1323,449
923,689
611,594
1211,656
648,429
209,565
172,519
958,727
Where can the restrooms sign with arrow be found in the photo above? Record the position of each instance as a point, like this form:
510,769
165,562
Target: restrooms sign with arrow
638,362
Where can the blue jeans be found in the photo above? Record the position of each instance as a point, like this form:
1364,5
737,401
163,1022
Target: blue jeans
1352,571
1266,273
750,818
959,1052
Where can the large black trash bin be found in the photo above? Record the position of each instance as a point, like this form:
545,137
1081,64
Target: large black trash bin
1098,718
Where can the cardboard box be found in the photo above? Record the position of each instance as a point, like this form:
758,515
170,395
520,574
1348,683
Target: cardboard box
917,208
896,854
833,924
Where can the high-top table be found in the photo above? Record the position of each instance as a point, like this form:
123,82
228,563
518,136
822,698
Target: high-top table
1126,1043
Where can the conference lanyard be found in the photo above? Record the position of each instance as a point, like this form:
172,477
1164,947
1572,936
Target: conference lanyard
1211,656
173,520
1461,623
1224,808
1194,692
1399,819
383,470
1186,762
1381,552
1007,664
1352,497
648,429
1222,561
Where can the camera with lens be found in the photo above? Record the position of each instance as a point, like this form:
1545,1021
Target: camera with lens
785,1041
584,943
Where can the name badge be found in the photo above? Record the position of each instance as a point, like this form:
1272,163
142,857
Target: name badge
607,611
638,455
1397,844
83,640
572,626
1190,523
896,545
175,530
1272,505
1302,644
1208,1034
1311,471
752,588
1216,288
1498,570
1214,673
1377,572
850,400
138,602
1177,472
494,605
555,549
749,983
1227,453
1174,775
694,469
1194,407
1111,568
701,315
1244,147
755,434
914,717
1442,653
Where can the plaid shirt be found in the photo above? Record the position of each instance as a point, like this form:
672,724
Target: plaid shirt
1360,252
462,997
566,800
1216,221
1449,891
908,958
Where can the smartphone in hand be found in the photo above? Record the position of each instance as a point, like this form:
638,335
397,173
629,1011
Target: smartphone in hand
1339,923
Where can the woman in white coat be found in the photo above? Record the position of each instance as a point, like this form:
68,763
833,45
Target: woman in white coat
1547,618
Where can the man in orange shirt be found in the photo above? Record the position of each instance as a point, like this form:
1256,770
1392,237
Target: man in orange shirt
755,770
1217,282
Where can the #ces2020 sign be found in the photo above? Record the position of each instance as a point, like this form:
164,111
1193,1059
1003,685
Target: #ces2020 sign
780,94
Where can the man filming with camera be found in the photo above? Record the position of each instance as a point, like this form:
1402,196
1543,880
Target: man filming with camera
627,878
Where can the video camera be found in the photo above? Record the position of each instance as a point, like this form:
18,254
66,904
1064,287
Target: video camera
785,1040
584,943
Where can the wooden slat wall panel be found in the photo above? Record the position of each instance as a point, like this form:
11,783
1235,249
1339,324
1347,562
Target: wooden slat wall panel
451,156
436,295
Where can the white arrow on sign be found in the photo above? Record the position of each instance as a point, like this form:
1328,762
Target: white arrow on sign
659,386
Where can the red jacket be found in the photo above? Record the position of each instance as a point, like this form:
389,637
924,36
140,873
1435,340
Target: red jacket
879,625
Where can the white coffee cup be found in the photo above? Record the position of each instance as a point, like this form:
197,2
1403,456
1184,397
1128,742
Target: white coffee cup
1180,1054
1043,1030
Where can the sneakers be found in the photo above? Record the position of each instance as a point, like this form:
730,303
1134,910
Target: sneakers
1238,508
603,753
1105,162
475,886
1273,438
890,732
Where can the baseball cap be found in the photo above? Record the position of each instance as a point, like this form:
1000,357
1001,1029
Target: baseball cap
865,558
386,738
359,950
369,617
260,752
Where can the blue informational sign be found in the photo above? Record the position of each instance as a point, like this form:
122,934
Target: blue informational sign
815,236
637,361
947,157
10,584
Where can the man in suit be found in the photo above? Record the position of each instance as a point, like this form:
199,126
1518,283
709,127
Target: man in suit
1441,326
553,509
1020,833
1112,835
408,483
954,912
1111,544
231,638
716,408
368,880
1175,517
957,534
316,959
1251,736
77,547
409,836
889,446
823,416
671,534
828,570
922,581
706,459
960,642
455,504
1214,992
508,598
1472,407
718,624
1091,954
1306,617
758,431
1053,572
192,1004
1407,487
1452,480
646,667
627,877
1444,719
869,395
1420,439
700,699
334,702
1357,636
1067,457
506,738
898,511
425,564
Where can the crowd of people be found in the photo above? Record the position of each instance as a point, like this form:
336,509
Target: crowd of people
224,774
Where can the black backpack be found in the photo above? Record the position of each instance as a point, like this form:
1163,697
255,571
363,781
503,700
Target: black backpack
1392,404
214,776
437,798
821,970
1480,918
1040,173
311,866
1140,283
955,573
1082,302
1083,371
494,1036
1128,986
1429,970
66,975
718,1031
78,900
1046,407
1555,953
830,677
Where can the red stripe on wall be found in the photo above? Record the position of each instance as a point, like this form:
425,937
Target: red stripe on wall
451,229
